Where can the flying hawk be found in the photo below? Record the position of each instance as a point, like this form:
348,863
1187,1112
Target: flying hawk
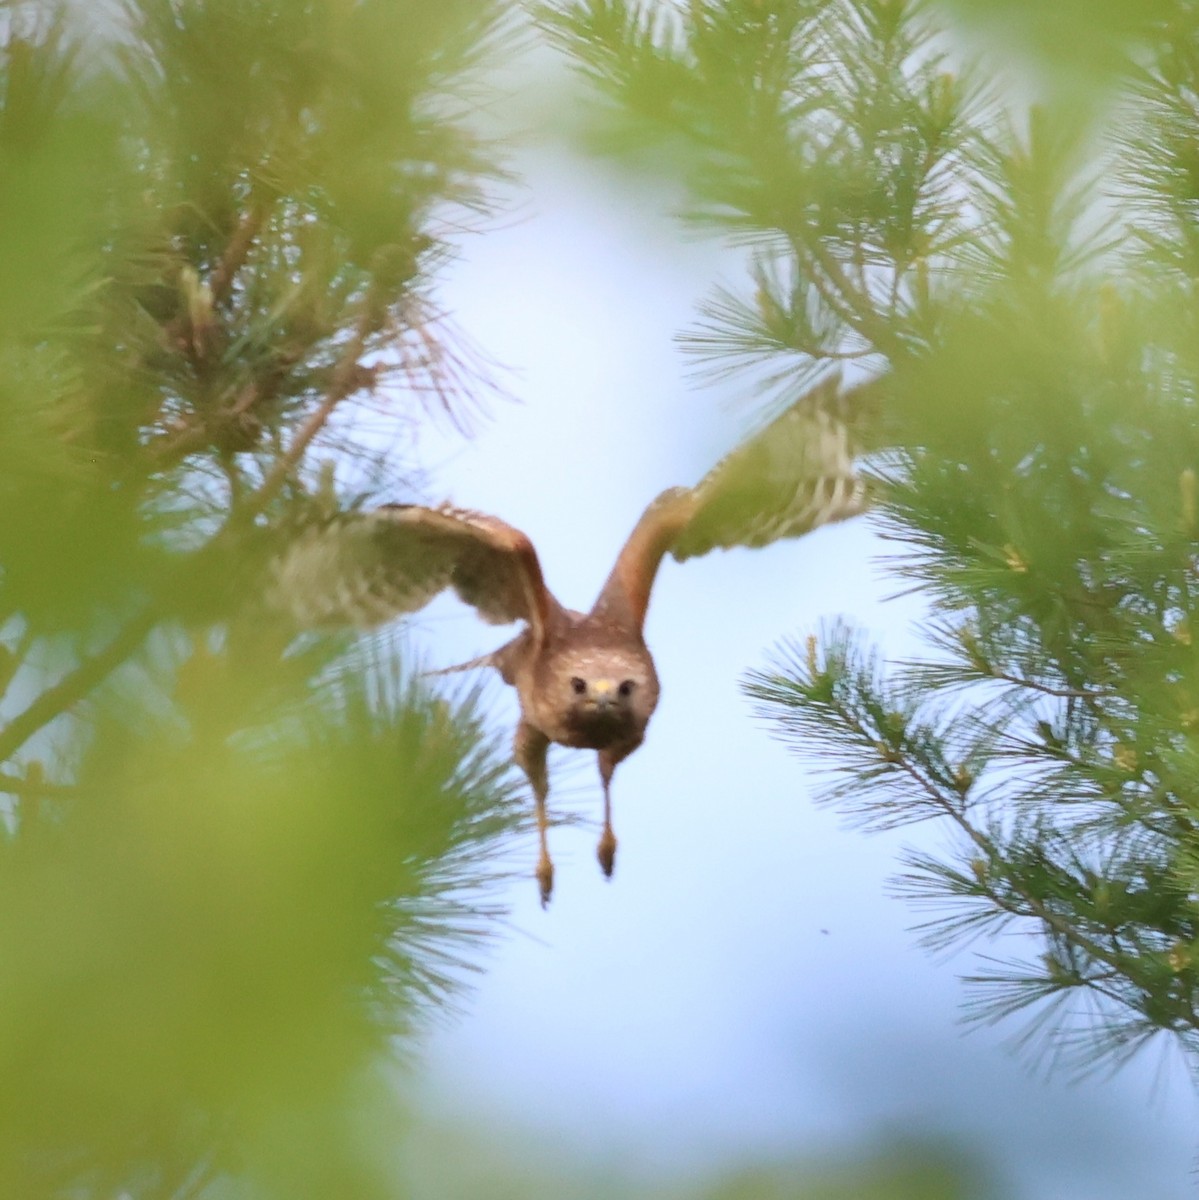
585,680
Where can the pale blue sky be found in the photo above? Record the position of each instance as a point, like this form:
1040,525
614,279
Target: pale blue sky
744,985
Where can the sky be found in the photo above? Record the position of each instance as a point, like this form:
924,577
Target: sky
745,985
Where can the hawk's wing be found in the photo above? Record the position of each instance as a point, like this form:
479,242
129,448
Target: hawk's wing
794,475
365,568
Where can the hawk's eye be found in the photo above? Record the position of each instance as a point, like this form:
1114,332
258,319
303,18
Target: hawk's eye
577,685
626,688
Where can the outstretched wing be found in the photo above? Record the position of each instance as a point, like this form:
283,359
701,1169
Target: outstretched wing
794,475
365,568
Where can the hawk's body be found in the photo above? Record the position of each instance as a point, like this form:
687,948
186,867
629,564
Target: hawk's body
585,680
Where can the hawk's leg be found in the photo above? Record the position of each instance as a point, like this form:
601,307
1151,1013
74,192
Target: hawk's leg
529,751
606,850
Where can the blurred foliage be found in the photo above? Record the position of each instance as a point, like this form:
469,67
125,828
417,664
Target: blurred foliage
235,867
1079,44
1022,280
510,1162
219,224
830,138
211,938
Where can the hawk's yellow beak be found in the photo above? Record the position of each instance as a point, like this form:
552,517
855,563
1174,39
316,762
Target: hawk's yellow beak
603,687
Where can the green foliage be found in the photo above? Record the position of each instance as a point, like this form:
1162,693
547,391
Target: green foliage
1079,43
233,869
831,137
1025,284
219,226
213,934
510,1163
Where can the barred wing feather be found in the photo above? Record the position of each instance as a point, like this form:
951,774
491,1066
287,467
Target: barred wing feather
794,475
366,568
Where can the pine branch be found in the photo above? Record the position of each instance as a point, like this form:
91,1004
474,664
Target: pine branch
843,699
220,282
74,686
348,377
25,786
852,303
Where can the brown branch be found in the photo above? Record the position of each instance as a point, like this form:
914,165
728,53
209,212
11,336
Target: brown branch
236,252
849,302
54,701
1044,688
348,377
826,355
12,659
187,436
16,785
183,439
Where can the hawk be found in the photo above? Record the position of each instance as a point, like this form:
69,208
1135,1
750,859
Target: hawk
584,680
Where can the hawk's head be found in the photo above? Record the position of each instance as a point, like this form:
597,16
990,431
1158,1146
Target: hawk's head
602,696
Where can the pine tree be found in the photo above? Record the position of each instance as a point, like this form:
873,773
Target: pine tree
1021,279
233,867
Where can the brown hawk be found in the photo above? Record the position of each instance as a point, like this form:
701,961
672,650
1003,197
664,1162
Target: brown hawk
583,679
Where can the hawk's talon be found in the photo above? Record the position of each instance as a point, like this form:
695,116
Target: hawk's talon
606,852
545,880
